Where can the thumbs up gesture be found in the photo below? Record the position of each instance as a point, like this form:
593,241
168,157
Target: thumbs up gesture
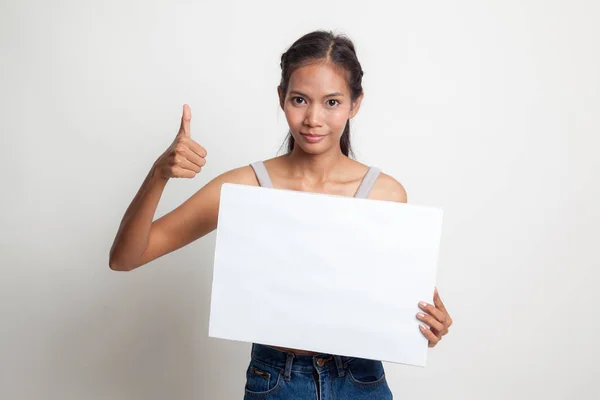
184,158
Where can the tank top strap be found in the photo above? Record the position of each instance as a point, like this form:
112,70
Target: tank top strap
262,174
367,183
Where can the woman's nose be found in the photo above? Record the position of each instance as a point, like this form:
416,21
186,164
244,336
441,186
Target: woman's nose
312,117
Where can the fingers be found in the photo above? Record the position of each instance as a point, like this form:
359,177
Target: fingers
436,317
440,305
431,310
184,158
196,148
432,322
192,151
437,300
184,130
429,335
186,117
189,165
182,161
178,172
195,159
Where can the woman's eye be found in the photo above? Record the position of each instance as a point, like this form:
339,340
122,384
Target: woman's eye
332,103
297,100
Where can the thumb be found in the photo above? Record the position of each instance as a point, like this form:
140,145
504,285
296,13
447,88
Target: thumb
186,117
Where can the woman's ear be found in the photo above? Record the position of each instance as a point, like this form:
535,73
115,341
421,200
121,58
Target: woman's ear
356,106
281,97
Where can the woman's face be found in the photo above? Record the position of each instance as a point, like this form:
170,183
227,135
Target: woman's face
317,105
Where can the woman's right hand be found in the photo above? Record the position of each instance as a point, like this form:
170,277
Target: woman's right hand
184,158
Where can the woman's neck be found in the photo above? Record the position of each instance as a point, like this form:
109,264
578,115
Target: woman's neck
316,168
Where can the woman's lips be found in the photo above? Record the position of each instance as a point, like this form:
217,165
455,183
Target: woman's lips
312,138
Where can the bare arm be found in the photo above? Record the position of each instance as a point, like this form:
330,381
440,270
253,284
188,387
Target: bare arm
139,239
132,237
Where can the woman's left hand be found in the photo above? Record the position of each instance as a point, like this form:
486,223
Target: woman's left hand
436,317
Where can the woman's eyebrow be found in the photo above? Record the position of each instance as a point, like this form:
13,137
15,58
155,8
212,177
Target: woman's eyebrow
336,94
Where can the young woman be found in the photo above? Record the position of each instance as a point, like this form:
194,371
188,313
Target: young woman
320,91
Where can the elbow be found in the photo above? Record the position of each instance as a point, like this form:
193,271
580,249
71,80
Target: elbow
116,261
117,265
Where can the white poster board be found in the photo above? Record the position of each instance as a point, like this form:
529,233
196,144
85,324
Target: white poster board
330,274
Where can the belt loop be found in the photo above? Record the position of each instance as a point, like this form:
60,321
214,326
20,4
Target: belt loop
288,366
338,364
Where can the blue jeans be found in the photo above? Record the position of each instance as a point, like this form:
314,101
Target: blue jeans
277,375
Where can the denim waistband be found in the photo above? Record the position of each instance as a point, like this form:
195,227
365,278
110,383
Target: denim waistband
297,362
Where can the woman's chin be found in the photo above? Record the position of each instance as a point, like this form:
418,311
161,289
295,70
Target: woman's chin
314,148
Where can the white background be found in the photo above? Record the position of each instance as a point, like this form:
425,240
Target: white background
488,109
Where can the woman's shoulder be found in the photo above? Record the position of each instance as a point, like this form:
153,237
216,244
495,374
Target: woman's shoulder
243,175
386,187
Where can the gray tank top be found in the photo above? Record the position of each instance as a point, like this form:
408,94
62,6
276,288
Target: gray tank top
363,190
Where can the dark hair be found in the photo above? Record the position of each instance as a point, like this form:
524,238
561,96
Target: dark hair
324,45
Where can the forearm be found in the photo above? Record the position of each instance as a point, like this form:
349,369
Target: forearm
132,237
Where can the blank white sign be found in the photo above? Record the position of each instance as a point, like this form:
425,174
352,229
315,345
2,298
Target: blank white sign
330,274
